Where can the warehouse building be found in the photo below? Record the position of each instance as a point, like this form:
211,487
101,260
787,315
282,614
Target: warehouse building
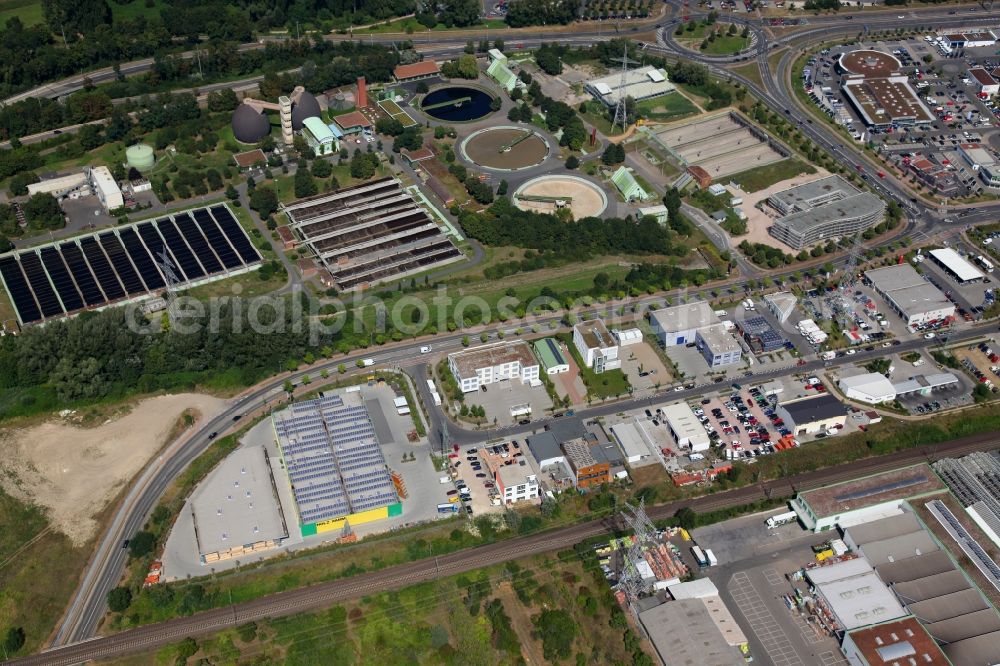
551,356
633,441
488,364
545,449
975,480
781,304
683,633
718,346
370,233
415,71
587,468
105,188
679,324
854,594
597,347
759,335
986,84
687,430
60,186
321,137
334,463
889,527
865,499
956,266
871,388
826,208
925,384
895,642
878,90
913,298
813,414
236,511
642,83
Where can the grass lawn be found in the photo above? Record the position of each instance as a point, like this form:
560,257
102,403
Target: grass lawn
608,384
750,71
667,107
248,285
29,11
765,176
595,115
412,27
727,44
135,9
38,571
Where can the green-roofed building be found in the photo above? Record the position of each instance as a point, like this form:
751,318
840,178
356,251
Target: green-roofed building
551,357
319,137
499,72
629,187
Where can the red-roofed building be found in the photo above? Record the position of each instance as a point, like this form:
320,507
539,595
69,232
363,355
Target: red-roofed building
424,69
418,155
702,177
901,642
288,239
987,84
353,122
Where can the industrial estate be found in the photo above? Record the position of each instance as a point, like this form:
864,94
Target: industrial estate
490,333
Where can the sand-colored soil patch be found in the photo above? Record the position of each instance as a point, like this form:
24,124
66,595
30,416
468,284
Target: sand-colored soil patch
583,198
74,472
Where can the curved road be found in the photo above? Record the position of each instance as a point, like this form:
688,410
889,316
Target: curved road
323,595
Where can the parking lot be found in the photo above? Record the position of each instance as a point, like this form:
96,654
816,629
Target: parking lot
500,398
741,423
941,82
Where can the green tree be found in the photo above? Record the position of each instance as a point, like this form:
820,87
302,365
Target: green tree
305,186
119,599
572,162
14,640
686,518
322,169
142,544
43,212
264,200
557,630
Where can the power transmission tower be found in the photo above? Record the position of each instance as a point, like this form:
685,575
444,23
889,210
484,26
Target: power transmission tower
621,112
639,521
839,301
166,265
445,438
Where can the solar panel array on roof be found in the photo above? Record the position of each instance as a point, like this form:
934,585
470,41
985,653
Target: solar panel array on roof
877,490
333,458
101,268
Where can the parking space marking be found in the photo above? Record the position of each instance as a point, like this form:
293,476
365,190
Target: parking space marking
774,579
765,627
831,659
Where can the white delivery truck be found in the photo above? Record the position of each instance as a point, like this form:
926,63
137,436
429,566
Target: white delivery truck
781,519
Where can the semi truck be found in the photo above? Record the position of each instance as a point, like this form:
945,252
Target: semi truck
781,519
699,555
713,561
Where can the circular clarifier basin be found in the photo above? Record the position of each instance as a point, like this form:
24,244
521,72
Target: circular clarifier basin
457,104
506,148
547,194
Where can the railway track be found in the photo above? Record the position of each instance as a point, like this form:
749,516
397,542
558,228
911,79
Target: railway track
323,595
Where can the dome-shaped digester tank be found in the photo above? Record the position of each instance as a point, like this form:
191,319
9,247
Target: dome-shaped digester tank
306,107
249,126
140,156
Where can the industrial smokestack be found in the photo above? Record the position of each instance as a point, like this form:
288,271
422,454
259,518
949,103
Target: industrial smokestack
362,93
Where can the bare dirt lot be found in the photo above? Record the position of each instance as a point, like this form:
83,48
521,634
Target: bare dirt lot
74,472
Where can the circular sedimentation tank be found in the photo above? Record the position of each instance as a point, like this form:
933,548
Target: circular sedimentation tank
547,194
505,148
140,156
457,104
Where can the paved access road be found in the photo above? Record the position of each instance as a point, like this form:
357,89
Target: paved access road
323,595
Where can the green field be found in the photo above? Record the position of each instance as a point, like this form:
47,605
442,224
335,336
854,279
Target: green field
29,11
726,45
667,107
759,178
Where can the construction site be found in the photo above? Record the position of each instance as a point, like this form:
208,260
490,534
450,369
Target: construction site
721,144
370,233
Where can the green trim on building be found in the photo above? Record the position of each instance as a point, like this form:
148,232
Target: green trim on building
628,185
548,353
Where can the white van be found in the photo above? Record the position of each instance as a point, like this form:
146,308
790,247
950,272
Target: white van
425,349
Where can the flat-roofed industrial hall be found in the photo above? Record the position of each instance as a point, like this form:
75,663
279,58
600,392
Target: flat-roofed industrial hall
335,464
370,233
126,263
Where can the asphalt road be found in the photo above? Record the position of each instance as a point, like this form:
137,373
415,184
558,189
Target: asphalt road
323,595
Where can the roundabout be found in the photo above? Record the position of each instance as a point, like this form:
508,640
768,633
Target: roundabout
546,194
505,148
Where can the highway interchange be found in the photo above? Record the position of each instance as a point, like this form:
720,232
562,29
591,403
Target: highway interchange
105,569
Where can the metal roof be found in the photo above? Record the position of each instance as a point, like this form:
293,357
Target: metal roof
684,317
915,568
897,548
955,263
954,604
683,633
883,528
817,408
318,129
860,600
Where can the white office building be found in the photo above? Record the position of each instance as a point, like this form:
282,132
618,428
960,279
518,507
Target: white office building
871,388
678,325
687,430
597,347
718,345
516,483
489,364
106,188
